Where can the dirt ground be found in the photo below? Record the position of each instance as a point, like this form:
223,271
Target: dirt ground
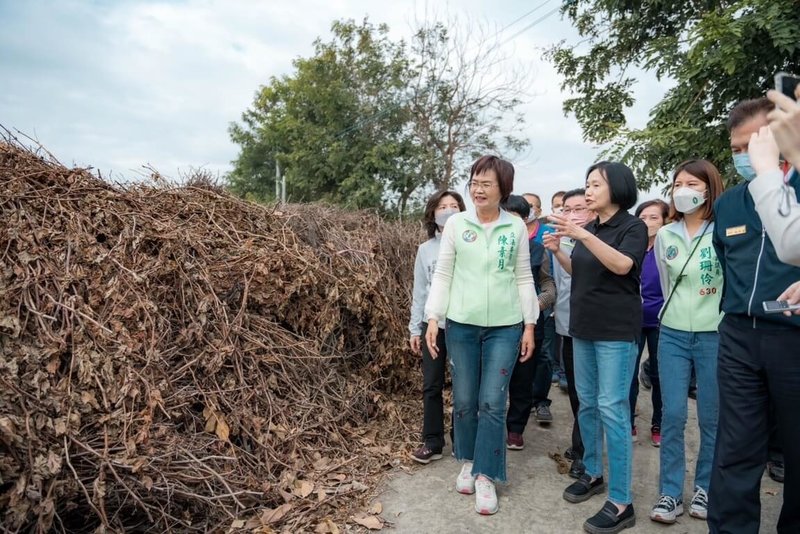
425,500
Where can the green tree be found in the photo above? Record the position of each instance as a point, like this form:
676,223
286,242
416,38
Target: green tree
335,125
717,52
371,122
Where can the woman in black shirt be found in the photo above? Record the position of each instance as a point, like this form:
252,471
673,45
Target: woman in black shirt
605,322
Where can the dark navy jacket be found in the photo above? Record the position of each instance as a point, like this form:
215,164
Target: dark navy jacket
753,272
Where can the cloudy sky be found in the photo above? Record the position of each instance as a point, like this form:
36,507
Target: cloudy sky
119,84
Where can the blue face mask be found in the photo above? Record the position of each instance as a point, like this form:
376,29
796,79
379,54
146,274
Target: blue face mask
743,167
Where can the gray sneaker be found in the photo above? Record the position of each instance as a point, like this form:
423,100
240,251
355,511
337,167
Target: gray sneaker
667,510
542,414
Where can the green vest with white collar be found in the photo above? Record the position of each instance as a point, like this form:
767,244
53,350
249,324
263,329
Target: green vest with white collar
484,287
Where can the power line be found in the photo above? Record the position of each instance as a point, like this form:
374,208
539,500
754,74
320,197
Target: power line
541,19
532,24
507,26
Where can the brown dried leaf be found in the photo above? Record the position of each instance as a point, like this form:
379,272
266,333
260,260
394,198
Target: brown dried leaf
327,527
376,508
54,462
274,515
370,521
303,488
53,364
222,430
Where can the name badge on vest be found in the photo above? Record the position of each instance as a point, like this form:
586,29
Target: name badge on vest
735,230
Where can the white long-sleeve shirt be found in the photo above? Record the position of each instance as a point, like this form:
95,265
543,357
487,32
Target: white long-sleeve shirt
424,267
769,194
473,283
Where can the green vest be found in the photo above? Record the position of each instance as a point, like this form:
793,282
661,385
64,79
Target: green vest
694,306
484,287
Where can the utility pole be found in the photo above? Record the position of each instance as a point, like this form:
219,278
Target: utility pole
277,180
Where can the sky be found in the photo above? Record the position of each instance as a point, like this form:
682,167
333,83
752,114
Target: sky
121,85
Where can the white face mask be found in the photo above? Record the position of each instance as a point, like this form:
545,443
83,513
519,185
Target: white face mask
442,216
688,200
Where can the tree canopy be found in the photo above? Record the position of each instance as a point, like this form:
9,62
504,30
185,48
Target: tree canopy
717,52
371,122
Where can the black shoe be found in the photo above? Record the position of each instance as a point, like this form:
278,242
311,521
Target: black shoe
693,393
577,469
543,415
775,471
425,455
606,521
569,454
583,488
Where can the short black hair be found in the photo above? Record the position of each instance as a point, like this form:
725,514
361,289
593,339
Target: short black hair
747,109
621,182
580,192
518,205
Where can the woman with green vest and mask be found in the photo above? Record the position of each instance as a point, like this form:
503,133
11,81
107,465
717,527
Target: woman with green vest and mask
691,282
483,288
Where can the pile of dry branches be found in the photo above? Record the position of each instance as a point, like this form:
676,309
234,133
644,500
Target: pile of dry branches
176,359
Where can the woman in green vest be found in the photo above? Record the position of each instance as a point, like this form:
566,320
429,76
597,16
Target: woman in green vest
484,290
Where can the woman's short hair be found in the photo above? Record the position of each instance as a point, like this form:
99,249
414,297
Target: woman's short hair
663,206
518,205
429,219
621,182
502,168
706,172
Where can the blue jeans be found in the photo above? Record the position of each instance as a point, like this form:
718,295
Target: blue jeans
603,373
678,351
481,362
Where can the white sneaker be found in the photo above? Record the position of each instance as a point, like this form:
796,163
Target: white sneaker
485,497
667,510
699,506
465,483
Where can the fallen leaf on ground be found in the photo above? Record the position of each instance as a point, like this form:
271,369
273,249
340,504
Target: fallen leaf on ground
372,522
273,516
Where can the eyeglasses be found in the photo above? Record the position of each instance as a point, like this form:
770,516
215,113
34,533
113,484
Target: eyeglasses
481,185
567,211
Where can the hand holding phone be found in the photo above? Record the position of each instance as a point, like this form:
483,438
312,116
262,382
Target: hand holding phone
784,120
779,306
787,84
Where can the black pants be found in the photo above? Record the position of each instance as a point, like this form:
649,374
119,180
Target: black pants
565,343
649,337
543,374
757,367
520,390
432,385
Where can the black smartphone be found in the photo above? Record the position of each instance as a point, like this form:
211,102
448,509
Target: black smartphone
779,306
786,83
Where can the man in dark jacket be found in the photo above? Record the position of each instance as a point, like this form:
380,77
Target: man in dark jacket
759,359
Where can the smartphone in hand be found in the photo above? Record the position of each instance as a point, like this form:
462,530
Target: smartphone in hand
786,83
779,306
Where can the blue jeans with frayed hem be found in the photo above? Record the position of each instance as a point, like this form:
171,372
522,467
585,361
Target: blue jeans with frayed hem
481,362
